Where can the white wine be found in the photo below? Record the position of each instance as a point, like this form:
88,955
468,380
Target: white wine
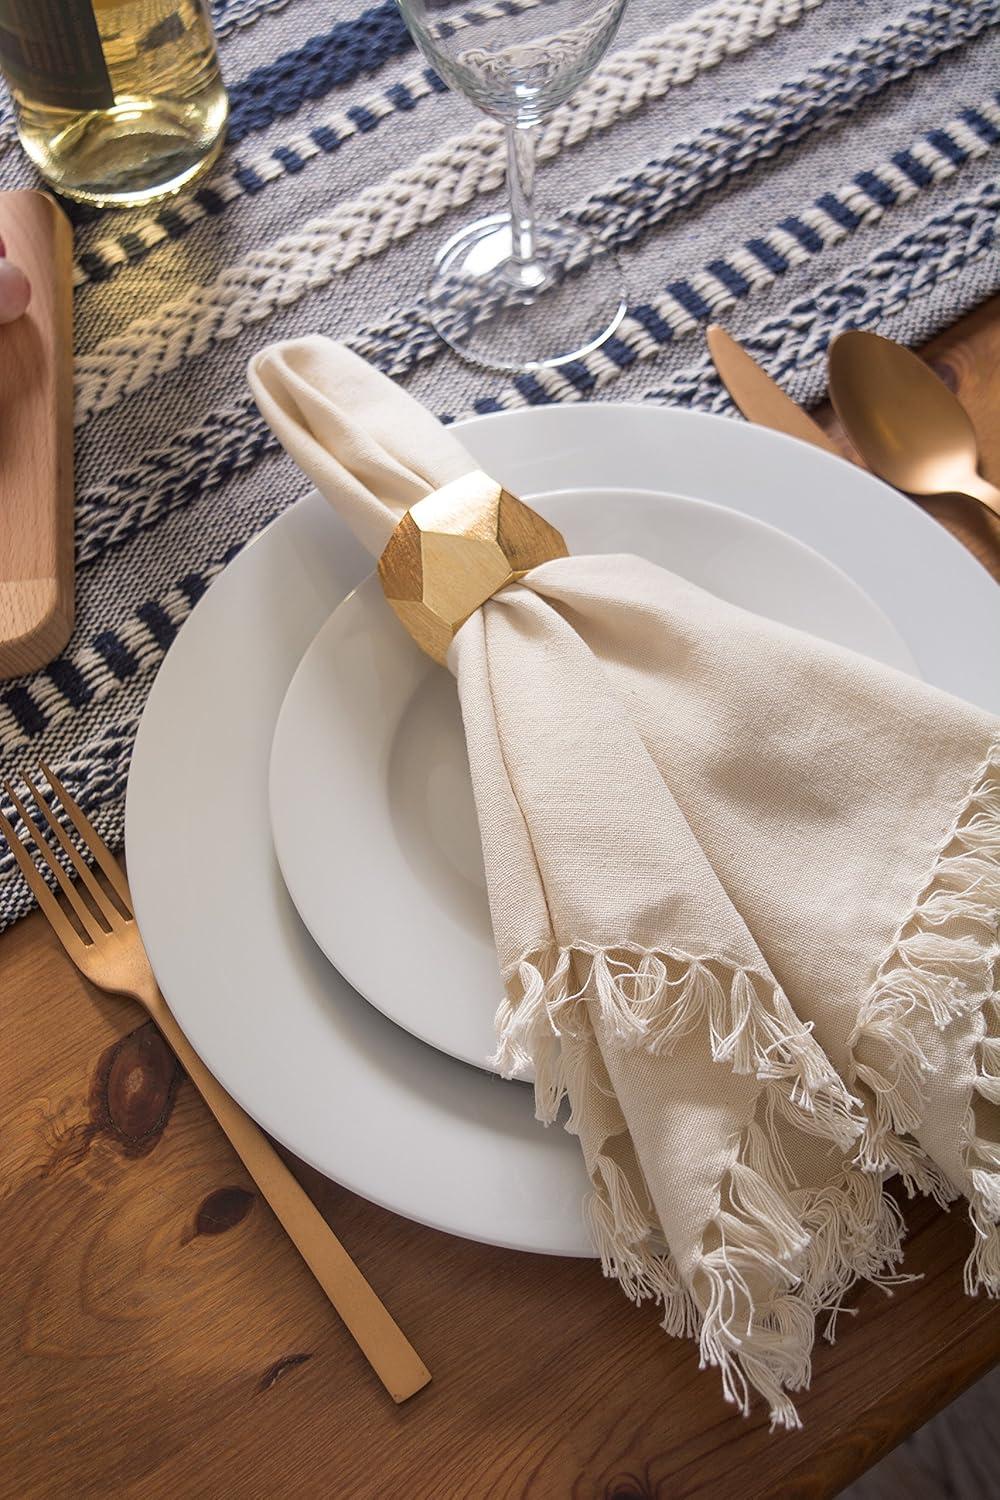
116,101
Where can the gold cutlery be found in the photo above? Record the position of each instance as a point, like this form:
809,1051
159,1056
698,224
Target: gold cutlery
904,421
108,950
758,397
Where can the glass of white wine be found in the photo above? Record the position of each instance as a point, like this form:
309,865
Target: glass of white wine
507,291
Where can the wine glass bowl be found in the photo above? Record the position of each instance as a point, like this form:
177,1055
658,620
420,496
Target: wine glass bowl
507,292
522,64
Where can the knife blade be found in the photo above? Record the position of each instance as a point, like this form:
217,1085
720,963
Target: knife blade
760,398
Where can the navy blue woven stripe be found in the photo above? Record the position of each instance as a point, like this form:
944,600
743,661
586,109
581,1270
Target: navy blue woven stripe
326,138
650,319
786,116
330,60
768,256
324,62
29,714
807,237
132,245
691,300
249,180
199,464
64,675
861,296
192,586
877,189
943,142
173,222
731,279
534,393
399,95
211,201
290,160
578,375
839,212
96,267
979,123
159,624
618,352
914,169
117,655
362,118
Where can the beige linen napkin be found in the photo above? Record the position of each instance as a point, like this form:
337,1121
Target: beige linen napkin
744,887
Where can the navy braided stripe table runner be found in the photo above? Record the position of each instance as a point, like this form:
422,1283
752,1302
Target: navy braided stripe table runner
791,166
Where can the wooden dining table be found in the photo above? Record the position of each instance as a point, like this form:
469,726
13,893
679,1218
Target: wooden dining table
159,1336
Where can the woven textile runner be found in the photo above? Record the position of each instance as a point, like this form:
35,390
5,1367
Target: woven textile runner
794,166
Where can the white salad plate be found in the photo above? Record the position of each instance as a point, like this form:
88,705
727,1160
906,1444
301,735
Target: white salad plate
326,1073
371,796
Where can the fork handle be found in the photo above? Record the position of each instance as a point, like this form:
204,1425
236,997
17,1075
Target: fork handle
386,1348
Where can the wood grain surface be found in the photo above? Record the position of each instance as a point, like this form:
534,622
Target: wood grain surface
159,1337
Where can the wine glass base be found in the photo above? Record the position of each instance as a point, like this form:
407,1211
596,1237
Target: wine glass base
513,315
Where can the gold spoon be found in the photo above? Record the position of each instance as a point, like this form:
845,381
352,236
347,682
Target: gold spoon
904,421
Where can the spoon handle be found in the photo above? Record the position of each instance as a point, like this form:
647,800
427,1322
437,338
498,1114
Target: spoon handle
987,494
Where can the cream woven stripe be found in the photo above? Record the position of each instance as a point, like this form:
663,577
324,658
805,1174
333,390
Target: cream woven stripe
451,175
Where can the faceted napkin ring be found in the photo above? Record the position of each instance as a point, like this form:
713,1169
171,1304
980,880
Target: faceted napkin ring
454,549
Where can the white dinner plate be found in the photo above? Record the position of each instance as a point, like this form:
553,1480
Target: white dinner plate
321,1069
371,798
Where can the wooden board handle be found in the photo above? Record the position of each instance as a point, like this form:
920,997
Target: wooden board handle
36,438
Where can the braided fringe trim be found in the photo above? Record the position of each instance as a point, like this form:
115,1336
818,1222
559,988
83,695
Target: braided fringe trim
775,1255
943,964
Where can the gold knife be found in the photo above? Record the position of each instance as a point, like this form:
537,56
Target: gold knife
758,397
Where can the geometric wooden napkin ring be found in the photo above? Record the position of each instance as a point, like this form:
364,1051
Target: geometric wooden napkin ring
456,548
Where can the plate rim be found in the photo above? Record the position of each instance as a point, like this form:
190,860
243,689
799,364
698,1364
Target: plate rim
935,544
281,777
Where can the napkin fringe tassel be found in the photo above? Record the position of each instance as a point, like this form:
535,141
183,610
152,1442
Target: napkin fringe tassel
982,1160
943,964
808,1257
800,1249
651,999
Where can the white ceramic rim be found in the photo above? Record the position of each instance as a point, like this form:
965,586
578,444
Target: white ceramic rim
369,740
362,1101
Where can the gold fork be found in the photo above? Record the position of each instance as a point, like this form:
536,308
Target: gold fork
108,950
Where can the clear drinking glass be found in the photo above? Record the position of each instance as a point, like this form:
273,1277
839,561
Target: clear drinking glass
507,291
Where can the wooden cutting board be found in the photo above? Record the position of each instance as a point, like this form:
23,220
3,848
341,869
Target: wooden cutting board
36,439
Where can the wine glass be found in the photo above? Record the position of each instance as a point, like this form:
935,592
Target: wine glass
508,292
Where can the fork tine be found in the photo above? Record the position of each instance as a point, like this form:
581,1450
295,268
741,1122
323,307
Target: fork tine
61,925
87,920
92,839
105,906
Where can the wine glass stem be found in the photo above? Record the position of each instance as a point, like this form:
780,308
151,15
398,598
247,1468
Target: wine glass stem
520,189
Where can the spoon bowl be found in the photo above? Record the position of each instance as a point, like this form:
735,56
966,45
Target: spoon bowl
903,420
